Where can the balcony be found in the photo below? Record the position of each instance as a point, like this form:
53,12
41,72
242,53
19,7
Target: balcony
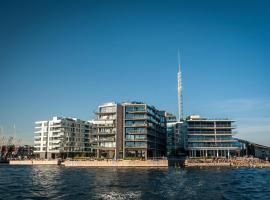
136,132
212,148
106,140
106,133
136,125
106,113
211,141
225,127
105,125
135,118
137,140
200,127
202,134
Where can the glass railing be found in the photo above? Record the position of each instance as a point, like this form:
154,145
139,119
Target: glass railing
200,126
104,132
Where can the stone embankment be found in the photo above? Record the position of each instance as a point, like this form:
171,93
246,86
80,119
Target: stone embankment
34,162
117,163
232,162
95,163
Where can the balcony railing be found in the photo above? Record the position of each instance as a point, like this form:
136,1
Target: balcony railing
136,132
213,141
104,133
136,125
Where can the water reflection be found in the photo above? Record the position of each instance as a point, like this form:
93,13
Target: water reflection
46,181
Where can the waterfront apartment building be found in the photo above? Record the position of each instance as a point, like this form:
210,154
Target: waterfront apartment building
61,138
144,131
210,137
107,137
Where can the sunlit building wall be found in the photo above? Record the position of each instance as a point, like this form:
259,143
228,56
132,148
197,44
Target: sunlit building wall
61,138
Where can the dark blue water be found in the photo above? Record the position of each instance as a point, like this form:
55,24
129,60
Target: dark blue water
57,182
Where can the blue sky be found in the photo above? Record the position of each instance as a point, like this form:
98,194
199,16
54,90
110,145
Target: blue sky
67,57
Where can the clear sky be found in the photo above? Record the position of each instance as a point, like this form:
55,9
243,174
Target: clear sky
66,57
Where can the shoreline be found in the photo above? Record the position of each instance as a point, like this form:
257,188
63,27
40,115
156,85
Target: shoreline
161,163
248,162
214,165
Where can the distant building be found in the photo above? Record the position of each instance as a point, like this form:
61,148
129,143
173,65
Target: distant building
61,138
252,149
144,131
107,137
210,137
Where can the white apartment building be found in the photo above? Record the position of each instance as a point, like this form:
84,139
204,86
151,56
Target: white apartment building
61,138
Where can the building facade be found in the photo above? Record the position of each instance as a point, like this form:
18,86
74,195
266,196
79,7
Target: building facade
144,131
61,138
247,148
210,138
172,134
107,137
176,136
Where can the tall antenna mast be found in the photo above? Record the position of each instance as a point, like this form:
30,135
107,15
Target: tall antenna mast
180,95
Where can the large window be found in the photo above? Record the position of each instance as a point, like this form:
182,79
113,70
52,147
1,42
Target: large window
136,144
135,137
135,108
107,144
136,130
135,116
135,123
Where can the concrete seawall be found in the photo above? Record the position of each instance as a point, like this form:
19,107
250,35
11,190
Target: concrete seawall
117,163
33,162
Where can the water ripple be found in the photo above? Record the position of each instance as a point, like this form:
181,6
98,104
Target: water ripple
58,182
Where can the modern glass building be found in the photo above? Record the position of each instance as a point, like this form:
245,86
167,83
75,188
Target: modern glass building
210,137
171,134
144,131
176,136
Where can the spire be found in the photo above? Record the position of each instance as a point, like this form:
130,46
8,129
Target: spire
180,96
179,62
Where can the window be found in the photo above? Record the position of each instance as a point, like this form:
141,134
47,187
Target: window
108,109
135,108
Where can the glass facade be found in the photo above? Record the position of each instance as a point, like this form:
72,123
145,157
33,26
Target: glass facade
144,131
210,138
